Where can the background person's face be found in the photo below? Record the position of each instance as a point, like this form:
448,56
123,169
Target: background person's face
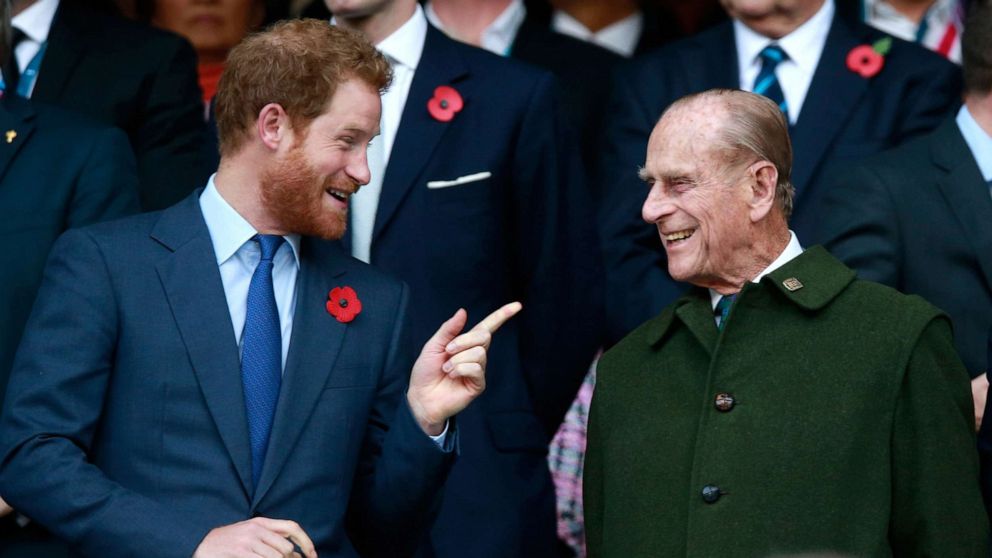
214,27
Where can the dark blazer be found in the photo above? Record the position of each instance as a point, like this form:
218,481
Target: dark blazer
844,117
919,218
846,427
94,180
125,431
583,70
137,78
525,233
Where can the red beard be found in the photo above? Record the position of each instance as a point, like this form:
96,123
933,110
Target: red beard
293,194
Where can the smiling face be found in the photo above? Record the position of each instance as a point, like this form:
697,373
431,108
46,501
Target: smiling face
307,188
698,201
772,18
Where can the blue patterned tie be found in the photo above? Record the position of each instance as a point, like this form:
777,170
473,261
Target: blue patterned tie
767,83
261,354
722,310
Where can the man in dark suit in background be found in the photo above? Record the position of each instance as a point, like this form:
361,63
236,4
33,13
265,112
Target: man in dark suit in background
919,217
476,163
179,393
128,75
506,28
842,103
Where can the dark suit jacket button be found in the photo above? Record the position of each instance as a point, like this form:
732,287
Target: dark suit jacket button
711,493
724,402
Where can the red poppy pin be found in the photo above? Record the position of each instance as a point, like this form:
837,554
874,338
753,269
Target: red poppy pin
867,60
343,304
445,103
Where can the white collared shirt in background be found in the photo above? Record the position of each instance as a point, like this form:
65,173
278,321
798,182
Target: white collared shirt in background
621,36
36,22
939,18
979,141
804,46
237,258
499,35
403,48
792,250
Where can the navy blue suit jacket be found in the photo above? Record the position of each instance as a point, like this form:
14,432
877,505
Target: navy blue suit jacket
919,219
844,117
94,180
525,234
124,431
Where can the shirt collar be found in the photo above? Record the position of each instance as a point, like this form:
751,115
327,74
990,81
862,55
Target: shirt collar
804,45
36,20
405,45
620,36
978,140
229,231
792,250
499,35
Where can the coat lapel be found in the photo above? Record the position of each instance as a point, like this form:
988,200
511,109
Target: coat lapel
965,190
66,45
696,313
419,134
17,124
833,94
313,349
193,286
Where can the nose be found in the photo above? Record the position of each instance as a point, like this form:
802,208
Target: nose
657,205
358,167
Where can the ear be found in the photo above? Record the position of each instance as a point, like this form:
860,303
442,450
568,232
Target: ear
764,179
273,126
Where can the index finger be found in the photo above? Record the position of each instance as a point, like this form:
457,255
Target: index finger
494,321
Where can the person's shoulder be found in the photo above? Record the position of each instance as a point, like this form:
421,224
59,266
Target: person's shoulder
111,33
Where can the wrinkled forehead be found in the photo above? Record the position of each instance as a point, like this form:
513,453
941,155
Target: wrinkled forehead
685,135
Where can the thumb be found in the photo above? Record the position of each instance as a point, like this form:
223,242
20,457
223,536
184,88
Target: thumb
448,331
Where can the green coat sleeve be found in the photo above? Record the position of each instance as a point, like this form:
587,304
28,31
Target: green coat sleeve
937,508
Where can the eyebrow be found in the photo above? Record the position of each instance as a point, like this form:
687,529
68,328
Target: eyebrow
643,174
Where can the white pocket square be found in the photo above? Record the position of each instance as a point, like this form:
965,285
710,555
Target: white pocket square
433,184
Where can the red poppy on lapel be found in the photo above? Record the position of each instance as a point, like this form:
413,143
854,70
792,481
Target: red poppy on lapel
445,103
343,304
867,60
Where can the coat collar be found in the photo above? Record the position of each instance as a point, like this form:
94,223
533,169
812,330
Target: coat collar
820,276
961,183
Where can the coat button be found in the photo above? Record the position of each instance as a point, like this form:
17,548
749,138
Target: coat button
711,493
724,402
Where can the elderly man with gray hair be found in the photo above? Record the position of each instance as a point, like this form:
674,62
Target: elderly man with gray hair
782,405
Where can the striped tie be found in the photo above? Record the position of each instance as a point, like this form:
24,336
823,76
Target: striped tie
722,310
766,83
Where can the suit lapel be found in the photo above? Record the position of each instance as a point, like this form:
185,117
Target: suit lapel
193,286
697,314
833,94
313,349
965,190
16,123
418,133
66,45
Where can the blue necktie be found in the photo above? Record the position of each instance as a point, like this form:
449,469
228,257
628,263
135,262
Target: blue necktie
722,309
767,83
261,354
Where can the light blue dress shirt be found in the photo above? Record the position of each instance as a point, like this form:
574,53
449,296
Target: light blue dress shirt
238,256
978,140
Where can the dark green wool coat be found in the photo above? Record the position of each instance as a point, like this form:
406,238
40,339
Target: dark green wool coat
851,428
